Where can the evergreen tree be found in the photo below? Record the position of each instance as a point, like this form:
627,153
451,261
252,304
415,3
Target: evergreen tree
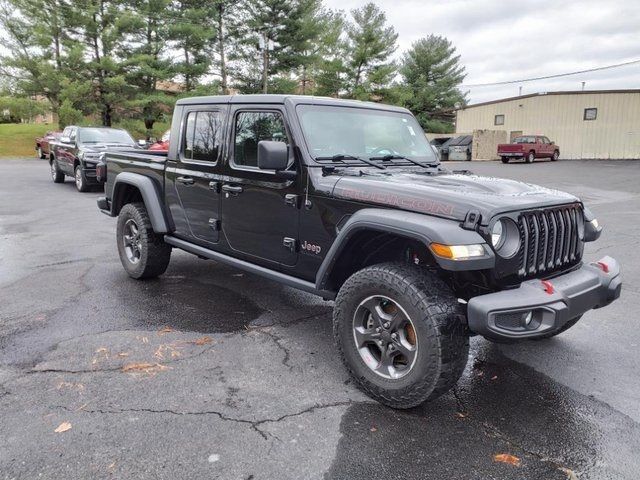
371,44
432,74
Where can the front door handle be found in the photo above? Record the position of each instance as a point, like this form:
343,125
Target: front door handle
233,189
186,180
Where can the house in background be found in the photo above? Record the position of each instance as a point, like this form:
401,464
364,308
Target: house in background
597,124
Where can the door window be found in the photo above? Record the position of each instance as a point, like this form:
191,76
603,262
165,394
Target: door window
202,136
251,128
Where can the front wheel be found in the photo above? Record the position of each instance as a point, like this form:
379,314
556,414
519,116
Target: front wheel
143,253
81,180
555,156
400,333
56,175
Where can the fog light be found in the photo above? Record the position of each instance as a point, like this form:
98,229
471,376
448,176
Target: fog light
528,318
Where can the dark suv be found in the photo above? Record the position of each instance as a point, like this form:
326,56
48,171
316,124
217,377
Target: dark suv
347,200
77,151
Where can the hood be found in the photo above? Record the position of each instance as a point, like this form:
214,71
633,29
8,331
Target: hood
101,147
447,195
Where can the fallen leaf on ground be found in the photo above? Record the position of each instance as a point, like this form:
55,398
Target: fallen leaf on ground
507,458
571,475
102,350
462,414
123,354
149,368
202,341
495,377
165,330
373,429
63,427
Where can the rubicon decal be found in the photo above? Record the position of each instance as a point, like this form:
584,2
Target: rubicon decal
396,200
311,247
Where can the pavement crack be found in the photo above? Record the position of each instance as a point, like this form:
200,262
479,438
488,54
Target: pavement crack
254,425
278,341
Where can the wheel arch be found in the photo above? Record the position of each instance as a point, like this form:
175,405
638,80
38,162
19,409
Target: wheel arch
377,235
131,187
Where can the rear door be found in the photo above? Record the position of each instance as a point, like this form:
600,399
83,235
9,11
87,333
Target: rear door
259,209
196,177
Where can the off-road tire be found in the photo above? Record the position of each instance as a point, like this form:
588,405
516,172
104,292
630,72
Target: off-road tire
564,328
154,252
530,158
505,159
56,175
80,179
440,330
555,156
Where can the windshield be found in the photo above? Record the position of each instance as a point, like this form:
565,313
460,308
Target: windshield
363,132
104,135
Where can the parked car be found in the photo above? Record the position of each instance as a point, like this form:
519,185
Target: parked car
529,147
347,200
78,150
42,143
163,143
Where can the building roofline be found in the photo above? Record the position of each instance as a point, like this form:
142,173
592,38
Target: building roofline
543,94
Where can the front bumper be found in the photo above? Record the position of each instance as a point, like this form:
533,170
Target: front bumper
504,315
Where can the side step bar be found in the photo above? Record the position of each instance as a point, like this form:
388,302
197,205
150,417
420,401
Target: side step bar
249,267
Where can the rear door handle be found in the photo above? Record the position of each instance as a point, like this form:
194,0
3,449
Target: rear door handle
233,189
186,180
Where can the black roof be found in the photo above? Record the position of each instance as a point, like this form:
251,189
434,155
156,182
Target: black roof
287,99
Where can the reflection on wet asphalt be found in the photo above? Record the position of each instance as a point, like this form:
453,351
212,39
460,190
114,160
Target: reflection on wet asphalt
240,378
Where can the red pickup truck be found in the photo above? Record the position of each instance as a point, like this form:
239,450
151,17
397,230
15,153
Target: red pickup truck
529,147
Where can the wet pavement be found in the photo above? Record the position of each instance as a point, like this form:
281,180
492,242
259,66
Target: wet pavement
208,372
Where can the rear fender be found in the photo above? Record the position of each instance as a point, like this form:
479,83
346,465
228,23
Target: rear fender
151,197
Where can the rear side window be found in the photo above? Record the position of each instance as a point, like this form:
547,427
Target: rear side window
202,136
251,128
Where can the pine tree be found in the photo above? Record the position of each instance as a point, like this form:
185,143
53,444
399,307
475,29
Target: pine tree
371,44
432,74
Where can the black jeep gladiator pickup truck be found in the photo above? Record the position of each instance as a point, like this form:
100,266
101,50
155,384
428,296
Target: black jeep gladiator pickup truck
347,200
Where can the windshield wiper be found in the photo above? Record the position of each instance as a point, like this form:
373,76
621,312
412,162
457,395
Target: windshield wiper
386,158
341,157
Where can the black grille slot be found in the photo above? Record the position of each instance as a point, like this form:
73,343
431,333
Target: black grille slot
549,239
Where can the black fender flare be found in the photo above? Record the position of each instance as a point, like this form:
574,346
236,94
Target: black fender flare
150,196
423,228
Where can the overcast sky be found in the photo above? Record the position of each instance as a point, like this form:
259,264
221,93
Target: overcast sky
509,40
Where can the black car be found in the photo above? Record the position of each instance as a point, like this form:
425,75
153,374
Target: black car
348,201
77,151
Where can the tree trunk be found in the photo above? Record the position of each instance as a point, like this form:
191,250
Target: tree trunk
221,45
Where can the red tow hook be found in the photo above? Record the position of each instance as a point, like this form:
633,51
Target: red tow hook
603,266
548,286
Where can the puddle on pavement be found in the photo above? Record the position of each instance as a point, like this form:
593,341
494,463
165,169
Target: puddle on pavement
189,305
501,407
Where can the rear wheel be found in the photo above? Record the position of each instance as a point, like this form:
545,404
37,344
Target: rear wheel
530,157
56,175
400,333
143,253
505,159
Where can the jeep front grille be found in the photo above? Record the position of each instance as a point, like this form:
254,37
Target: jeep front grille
550,239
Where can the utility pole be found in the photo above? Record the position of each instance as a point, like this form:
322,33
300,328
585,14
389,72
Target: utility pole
265,45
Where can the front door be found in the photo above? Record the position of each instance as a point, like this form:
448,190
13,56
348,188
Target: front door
259,208
195,177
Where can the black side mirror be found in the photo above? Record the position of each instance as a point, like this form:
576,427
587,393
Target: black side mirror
272,155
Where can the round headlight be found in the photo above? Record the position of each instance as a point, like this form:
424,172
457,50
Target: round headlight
505,237
496,234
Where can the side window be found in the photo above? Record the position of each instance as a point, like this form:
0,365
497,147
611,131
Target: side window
251,128
202,136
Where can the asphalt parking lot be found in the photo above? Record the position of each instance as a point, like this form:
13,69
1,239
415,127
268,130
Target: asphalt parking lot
211,373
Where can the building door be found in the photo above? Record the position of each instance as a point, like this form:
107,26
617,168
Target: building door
514,134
